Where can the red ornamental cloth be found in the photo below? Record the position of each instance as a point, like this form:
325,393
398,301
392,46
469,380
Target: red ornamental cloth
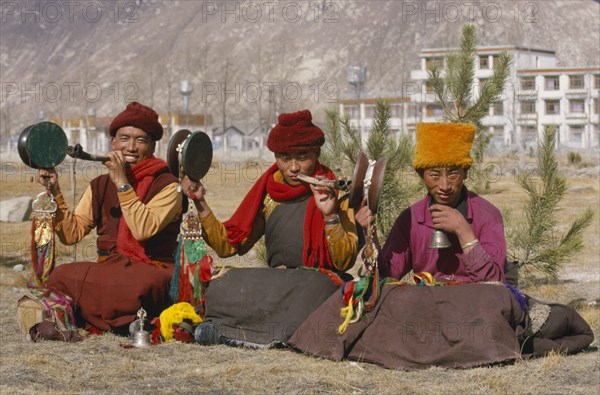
206,269
140,176
316,251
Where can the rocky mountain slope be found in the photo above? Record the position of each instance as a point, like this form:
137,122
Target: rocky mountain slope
264,57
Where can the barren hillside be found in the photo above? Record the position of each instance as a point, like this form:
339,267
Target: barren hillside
67,57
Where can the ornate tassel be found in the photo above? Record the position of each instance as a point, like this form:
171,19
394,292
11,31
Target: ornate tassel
174,290
191,262
59,307
42,239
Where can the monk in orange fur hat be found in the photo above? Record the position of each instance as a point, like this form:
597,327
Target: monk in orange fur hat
473,225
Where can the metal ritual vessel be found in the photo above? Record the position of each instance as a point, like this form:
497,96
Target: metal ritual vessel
439,240
141,338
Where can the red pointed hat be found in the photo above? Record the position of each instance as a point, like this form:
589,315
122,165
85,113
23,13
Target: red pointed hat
139,116
295,132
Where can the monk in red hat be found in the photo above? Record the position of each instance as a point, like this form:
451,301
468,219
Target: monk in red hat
136,211
305,226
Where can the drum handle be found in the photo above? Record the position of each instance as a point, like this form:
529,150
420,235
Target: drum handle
77,152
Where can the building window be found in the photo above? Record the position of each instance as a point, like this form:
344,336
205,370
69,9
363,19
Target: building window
369,111
577,106
352,111
498,108
482,82
498,131
597,81
528,132
428,87
575,133
552,107
434,62
551,83
413,110
528,107
595,137
529,136
527,83
495,60
497,136
596,106
484,62
434,110
576,82
396,110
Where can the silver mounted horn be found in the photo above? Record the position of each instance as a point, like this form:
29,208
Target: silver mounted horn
340,183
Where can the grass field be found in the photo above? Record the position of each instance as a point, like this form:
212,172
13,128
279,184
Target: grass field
99,365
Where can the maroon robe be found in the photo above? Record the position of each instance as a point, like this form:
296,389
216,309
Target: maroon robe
110,292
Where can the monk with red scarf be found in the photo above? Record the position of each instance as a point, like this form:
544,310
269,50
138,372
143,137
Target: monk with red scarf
303,224
136,211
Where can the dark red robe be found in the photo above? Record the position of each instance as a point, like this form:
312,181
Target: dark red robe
109,293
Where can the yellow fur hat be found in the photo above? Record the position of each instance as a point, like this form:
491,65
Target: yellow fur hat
443,145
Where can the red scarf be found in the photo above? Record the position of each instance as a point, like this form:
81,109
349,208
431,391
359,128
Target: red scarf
316,249
140,176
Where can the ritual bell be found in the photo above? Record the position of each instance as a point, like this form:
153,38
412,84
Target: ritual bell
439,240
141,338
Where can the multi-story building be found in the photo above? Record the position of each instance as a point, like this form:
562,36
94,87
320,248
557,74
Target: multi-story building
566,98
538,94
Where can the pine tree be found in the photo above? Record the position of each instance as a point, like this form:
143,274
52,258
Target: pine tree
332,153
343,142
536,244
454,91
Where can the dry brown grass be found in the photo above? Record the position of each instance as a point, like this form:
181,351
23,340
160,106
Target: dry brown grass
591,314
99,365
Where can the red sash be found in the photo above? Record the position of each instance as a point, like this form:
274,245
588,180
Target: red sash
316,251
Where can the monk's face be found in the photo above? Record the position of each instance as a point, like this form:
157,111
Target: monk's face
135,144
444,184
292,164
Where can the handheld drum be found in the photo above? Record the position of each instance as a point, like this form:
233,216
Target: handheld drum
190,154
43,145
190,151
367,181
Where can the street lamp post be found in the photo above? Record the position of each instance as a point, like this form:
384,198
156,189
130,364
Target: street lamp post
357,75
186,88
